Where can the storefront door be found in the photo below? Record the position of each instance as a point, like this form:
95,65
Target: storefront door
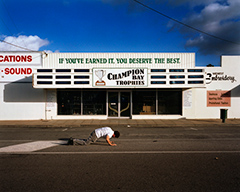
119,104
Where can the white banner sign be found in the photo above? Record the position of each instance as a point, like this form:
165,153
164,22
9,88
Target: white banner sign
20,58
120,77
16,66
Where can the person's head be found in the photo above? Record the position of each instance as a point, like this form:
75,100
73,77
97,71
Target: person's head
116,134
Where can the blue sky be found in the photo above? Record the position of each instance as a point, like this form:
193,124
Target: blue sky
122,26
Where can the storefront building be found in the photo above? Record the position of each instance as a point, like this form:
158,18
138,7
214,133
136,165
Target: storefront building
18,99
117,85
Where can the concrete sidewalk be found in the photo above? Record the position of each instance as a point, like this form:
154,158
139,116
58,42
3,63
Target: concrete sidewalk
160,123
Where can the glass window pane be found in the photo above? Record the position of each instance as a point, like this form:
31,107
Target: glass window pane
195,76
158,82
44,70
94,102
44,77
195,82
113,104
177,82
69,102
195,70
170,102
125,104
177,76
81,70
63,70
158,70
144,102
158,76
176,70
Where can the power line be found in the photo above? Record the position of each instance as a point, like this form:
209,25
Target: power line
9,15
6,26
186,25
12,22
17,46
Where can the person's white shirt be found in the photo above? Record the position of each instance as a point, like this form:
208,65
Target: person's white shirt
103,132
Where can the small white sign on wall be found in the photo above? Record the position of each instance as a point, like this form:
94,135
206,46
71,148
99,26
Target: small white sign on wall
187,99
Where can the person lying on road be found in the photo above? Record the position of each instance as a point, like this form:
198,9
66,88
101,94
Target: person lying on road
104,132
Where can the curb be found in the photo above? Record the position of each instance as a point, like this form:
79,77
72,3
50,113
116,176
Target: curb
120,124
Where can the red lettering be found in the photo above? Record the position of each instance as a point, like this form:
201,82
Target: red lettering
6,59
29,58
6,71
12,59
17,58
12,71
23,71
24,58
29,71
18,71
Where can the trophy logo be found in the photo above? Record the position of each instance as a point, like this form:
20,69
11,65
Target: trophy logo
100,74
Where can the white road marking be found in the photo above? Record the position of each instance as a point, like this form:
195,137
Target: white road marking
123,152
31,146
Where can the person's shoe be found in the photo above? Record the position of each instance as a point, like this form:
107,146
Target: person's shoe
70,141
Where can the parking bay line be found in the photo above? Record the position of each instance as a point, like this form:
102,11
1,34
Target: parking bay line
31,146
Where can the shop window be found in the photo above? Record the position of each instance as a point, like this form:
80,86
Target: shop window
195,82
44,77
69,102
81,82
94,103
177,82
176,70
63,82
144,102
195,70
158,70
170,102
44,82
81,76
44,70
63,77
63,70
195,76
177,76
81,70
158,82
158,76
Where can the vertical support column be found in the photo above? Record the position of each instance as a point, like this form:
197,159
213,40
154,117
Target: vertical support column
51,104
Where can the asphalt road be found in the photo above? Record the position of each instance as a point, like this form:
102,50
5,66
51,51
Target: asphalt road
145,159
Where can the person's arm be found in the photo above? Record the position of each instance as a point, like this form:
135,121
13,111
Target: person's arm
110,142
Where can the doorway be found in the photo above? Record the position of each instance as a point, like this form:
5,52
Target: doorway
119,104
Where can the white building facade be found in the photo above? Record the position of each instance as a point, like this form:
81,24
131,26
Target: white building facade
36,85
18,99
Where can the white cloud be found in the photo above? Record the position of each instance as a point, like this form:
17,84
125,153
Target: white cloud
218,18
33,43
49,51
